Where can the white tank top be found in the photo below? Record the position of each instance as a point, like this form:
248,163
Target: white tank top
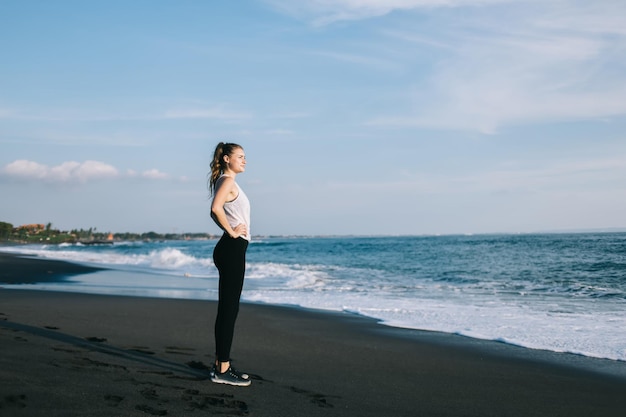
238,211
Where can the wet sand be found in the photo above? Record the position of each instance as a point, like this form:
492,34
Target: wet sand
23,269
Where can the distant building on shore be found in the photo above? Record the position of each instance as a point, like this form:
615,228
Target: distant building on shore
33,228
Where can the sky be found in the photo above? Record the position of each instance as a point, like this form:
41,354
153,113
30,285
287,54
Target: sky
357,117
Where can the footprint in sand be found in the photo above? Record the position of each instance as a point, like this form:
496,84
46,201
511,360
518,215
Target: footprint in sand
197,365
318,399
219,404
141,349
179,350
96,339
149,394
150,410
113,400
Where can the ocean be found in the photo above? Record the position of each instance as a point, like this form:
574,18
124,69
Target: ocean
556,292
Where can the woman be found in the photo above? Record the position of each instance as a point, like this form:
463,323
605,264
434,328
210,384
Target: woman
230,209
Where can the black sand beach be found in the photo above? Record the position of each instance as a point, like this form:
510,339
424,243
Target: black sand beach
65,354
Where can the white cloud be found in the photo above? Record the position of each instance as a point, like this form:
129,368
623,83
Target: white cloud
545,63
25,169
477,65
154,174
81,172
71,172
323,12
601,17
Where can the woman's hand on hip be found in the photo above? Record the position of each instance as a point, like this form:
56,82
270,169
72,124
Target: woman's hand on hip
239,230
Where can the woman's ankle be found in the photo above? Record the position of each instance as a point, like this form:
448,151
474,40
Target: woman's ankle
222,366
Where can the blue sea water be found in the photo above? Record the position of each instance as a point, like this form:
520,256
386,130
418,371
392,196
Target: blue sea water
558,292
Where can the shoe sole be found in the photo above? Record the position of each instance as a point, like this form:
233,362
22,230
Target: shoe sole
236,384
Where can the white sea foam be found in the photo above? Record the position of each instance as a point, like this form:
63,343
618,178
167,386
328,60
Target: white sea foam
286,276
162,259
582,333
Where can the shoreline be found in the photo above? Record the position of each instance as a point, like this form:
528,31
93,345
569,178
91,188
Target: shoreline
17,269
74,354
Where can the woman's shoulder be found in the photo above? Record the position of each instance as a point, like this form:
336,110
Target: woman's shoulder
224,178
225,181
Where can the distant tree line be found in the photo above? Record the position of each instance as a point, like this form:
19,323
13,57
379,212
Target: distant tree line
6,229
40,233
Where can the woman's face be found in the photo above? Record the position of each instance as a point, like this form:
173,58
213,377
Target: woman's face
236,161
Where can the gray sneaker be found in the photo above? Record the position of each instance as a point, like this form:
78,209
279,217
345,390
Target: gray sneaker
230,377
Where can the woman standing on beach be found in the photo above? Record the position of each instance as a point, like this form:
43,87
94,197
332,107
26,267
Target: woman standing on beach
230,209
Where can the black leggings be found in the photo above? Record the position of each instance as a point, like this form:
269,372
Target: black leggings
229,257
